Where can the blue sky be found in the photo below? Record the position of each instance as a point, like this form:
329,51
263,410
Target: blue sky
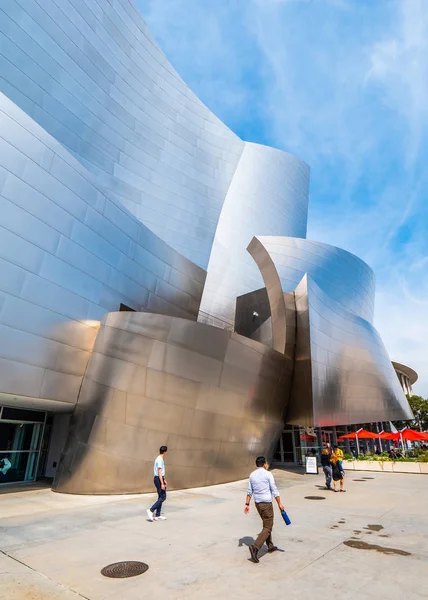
343,84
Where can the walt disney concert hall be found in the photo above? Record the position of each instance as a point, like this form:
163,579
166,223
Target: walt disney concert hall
156,283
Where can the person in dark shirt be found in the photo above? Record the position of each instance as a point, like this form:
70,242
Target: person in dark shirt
326,467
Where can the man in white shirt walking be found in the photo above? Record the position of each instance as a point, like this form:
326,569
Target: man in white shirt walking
154,513
261,485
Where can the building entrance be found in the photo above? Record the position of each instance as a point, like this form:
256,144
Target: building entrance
21,433
296,443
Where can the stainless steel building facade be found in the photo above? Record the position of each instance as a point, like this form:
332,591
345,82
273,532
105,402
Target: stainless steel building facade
120,190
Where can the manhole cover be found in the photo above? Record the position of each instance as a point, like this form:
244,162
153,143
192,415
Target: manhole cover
358,480
127,568
367,477
314,497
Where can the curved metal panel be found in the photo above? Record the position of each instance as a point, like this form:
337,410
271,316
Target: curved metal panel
215,398
102,145
342,372
103,148
353,379
282,317
68,255
343,276
274,292
268,195
91,74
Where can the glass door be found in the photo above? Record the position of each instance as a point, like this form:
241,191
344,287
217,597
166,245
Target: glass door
327,437
19,450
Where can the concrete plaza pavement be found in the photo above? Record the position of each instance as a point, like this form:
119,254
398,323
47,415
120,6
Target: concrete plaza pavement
368,543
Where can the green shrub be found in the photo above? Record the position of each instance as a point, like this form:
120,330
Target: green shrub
368,456
422,455
415,455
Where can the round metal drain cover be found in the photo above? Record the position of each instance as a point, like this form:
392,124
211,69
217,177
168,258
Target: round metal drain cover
127,568
314,497
358,480
367,477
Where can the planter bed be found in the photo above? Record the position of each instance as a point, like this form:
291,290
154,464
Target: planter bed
387,466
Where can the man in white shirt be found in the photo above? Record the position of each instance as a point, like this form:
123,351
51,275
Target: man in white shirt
154,513
262,486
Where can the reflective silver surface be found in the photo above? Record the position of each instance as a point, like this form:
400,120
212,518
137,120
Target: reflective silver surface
102,145
68,255
343,276
268,195
215,398
352,377
278,314
119,187
91,74
342,372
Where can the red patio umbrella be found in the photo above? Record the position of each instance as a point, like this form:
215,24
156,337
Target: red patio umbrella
385,435
358,435
405,434
362,434
413,436
307,438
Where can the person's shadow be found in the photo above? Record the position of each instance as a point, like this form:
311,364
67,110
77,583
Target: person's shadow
246,541
249,541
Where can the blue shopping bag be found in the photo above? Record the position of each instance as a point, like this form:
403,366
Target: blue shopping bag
285,517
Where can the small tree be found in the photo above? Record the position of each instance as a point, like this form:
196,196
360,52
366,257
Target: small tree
419,408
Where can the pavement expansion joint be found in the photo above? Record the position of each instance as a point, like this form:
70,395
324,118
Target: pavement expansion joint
65,587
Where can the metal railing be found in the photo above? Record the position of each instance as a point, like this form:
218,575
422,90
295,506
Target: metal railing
208,319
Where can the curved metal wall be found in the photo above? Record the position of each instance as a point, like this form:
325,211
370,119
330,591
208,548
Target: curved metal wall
215,398
342,372
91,75
68,255
268,195
95,125
353,380
103,148
343,276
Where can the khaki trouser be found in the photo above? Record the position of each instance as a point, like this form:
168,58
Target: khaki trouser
265,510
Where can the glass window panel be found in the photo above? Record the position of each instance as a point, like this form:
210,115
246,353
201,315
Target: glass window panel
17,466
19,436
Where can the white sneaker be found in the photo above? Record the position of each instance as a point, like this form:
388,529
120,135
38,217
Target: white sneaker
161,518
149,515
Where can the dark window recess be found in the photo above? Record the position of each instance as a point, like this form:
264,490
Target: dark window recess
123,307
8,434
19,414
44,448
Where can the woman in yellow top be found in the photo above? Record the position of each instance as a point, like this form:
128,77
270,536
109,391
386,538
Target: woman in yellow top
339,453
338,474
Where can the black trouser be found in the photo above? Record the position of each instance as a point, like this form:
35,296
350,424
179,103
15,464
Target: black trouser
161,497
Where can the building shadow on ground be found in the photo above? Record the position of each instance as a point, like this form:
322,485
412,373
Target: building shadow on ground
31,486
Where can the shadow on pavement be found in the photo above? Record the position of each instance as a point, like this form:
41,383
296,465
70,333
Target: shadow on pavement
14,488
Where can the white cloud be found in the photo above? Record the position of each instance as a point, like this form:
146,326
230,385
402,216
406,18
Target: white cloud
400,65
344,85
